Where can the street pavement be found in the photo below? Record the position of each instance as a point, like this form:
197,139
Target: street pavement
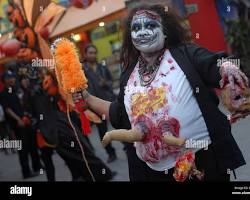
10,169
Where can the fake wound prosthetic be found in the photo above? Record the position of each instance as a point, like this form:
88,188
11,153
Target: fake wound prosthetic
235,92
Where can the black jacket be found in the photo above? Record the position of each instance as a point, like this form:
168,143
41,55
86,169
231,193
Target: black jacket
10,100
200,67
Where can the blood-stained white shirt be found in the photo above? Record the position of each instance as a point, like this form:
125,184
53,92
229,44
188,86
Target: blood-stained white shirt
167,100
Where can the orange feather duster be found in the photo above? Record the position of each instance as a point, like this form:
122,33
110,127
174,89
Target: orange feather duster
68,67
70,76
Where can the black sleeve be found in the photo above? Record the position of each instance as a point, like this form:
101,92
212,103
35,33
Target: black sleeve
4,100
117,112
114,114
206,63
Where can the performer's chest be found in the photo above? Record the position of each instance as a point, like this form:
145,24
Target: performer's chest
168,94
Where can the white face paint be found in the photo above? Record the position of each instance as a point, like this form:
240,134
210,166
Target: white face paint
147,33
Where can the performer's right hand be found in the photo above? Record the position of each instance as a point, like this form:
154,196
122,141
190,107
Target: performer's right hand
76,97
20,123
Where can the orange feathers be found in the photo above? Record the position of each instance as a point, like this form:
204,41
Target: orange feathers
68,68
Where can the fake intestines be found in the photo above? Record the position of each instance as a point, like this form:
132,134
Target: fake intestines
235,92
156,139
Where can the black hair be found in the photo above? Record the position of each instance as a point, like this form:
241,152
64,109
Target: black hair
90,46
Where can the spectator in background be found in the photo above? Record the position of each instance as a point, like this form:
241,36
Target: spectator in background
14,115
5,131
25,96
43,107
100,85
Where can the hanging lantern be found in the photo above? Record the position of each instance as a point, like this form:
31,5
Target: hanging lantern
81,3
44,32
11,47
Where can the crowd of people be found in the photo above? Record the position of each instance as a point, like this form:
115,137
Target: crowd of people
33,112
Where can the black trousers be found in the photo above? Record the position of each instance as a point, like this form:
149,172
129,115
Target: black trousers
204,160
4,133
77,166
73,157
33,149
79,170
3,130
29,147
46,155
102,129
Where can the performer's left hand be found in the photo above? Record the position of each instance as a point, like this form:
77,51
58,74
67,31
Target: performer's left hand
232,75
106,139
235,91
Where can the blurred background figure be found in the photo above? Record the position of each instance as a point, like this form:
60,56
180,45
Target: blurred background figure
100,85
5,132
20,124
25,93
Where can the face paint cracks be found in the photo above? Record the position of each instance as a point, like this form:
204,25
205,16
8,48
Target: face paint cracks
147,32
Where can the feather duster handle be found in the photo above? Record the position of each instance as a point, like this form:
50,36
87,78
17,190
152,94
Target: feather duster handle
70,76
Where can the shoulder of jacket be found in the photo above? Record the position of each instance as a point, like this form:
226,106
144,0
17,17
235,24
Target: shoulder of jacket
186,47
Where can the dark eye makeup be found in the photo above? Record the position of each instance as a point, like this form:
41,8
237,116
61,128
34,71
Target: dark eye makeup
151,24
148,24
136,27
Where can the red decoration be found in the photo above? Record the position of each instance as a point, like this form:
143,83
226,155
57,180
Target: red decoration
44,32
11,47
26,120
81,107
41,142
81,3
185,167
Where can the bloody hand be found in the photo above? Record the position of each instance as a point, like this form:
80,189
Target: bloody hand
232,75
